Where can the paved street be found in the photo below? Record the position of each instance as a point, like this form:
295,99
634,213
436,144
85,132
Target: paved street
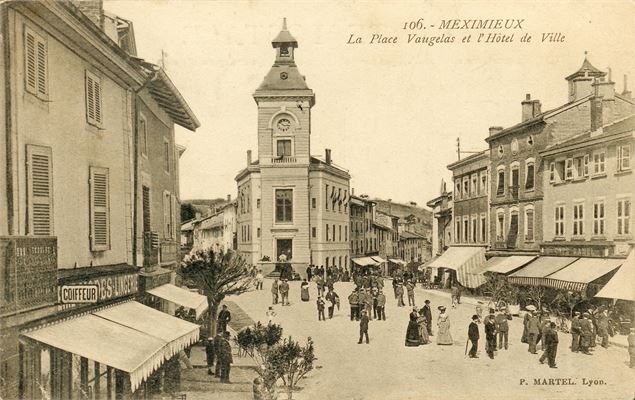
386,369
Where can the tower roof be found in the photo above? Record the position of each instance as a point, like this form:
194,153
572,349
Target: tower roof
586,70
284,37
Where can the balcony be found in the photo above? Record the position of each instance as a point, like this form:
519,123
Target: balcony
28,277
283,160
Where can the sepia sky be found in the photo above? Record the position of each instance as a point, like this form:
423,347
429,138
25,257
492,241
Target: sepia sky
391,113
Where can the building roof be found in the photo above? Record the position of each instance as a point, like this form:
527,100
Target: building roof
610,131
319,161
284,37
382,226
410,235
586,70
469,159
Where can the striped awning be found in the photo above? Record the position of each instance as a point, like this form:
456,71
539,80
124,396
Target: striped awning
468,262
181,297
364,261
397,261
378,259
622,284
577,276
535,272
505,265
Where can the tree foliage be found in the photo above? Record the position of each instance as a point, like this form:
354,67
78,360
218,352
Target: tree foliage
288,361
498,288
217,275
188,212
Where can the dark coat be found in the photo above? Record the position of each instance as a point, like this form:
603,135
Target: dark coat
472,332
427,312
551,337
363,323
532,326
501,322
225,316
490,331
225,352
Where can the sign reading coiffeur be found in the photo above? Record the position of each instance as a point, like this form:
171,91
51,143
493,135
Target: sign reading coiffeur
105,288
74,294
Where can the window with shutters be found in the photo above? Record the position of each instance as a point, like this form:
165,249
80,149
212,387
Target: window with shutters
529,176
143,136
99,209
529,225
598,218
167,219
500,186
93,99
578,219
624,216
147,225
624,158
559,220
35,64
40,190
166,155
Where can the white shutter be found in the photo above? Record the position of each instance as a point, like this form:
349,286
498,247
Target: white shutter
39,190
30,61
166,214
97,92
41,68
99,209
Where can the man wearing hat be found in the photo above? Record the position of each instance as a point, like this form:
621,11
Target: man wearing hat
410,289
284,292
381,306
224,316
490,334
473,335
533,330
550,340
603,326
209,354
427,312
575,332
586,333
502,327
363,327
225,358
353,301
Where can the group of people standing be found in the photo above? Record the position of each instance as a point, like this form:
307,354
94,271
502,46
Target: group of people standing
338,274
280,289
420,327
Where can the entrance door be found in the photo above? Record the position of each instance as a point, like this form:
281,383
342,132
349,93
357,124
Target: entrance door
284,247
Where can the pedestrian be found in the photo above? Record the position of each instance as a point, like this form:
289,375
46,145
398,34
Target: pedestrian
427,312
443,324
319,281
259,280
458,294
353,301
586,332
490,334
374,291
525,336
479,311
410,289
502,327
346,277
399,292
224,316
412,332
218,339
271,315
381,306
309,272
631,347
320,308
473,335
369,304
333,299
274,291
421,324
258,389
304,290
361,296
284,292
603,327
209,354
533,330
551,345
575,332
363,327
455,294
225,358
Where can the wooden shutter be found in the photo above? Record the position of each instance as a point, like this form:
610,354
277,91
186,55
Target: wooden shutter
166,214
41,68
99,209
30,62
39,190
93,99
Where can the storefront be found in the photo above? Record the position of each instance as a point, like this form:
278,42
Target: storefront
169,296
462,264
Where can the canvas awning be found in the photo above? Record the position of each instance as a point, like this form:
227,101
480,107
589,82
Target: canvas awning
622,284
181,297
364,261
129,337
468,262
505,265
579,274
378,259
533,273
398,261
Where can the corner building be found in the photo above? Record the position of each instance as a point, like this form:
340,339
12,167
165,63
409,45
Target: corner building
289,202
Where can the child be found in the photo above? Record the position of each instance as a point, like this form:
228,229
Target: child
320,307
270,314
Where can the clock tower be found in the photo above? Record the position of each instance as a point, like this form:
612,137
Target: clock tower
284,108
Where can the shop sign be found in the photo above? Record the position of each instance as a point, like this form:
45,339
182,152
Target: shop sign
78,294
107,287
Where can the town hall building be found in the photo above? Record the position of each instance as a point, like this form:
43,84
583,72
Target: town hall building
291,205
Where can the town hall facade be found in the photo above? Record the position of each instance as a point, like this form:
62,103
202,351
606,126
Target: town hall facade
291,205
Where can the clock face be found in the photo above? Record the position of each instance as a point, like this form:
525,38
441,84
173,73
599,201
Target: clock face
284,124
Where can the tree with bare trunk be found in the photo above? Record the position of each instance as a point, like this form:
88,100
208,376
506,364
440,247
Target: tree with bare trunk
217,275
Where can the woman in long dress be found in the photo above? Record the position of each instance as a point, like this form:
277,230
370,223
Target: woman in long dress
443,324
423,330
412,333
304,290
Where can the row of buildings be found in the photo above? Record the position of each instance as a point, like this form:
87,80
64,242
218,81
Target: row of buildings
296,206
89,211
559,183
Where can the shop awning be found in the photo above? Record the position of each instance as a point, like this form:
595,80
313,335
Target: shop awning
468,262
533,273
622,284
378,259
181,297
398,261
577,276
138,345
364,261
505,265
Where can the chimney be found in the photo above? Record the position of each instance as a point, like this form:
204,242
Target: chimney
352,191
93,9
531,108
248,158
327,155
596,113
493,130
604,88
229,198
626,93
